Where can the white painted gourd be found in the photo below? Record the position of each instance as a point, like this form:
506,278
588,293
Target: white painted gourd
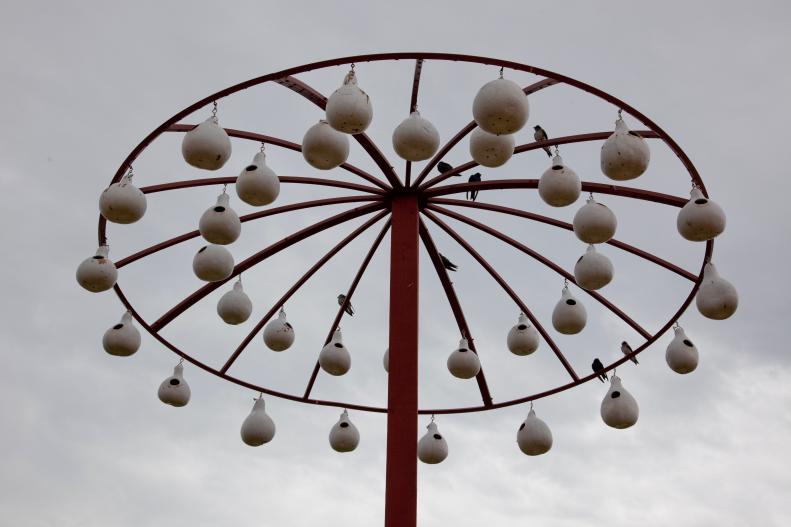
700,219
334,357
386,360
500,107
220,224
174,390
523,337
593,270
123,339
212,263
559,185
463,362
324,147
618,408
349,108
490,150
97,273
717,298
122,202
235,307
624,155
258,428
344,436
206,146
534,436
258,184
432,447
415,139
681,354
279,333
594,222
569,316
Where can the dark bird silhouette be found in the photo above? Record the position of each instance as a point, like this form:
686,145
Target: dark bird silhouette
450,266
627,349
349,309
472,194
598,369
445,167
541,135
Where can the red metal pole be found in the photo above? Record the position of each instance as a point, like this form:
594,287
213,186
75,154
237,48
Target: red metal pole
401,484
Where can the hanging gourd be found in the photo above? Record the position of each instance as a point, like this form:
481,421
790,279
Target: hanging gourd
463,362
174,390
123,339
618,408
258,428
344,436
432,447
593,270
334,357
500,107
415,139
700,219
717,298
491,150
624,155
220,224
349,108
559,185
279,333
122,202
569,316
523,337
212,263
534,436
97,273
681,354
324,147
258,184
207,146
594,222
386,360
234,307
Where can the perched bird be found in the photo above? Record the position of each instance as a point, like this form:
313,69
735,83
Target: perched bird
472,194
627,349
541,135
450,266
598,369
445,167
349,309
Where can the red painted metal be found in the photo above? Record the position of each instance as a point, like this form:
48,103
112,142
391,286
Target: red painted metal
412,108
190,183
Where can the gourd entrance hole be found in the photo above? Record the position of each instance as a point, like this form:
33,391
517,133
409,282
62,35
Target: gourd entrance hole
98,257
118,326
250,168
338,345
219,209
344,425
202,249
521,427
688,342
521,327
571,302
580,258
463,350
615,394
175,382
437,436
557,167
701,201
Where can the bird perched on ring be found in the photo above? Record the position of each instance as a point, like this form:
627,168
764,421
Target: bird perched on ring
445,167
541,135
349,309
598,369
626,349
472,194
450,266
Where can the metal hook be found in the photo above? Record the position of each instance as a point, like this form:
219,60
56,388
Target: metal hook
225,188
352,66
557,150
181,360
214,109
432,418
263,146
620,113
676,324
531,405
501,72
590,196
565,283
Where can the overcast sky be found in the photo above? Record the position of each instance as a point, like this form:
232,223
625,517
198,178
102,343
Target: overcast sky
86,442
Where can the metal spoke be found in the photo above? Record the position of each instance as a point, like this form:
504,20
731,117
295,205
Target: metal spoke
412,108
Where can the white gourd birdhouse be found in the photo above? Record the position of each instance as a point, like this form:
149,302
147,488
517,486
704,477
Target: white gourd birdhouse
559,185
123,339
206,146
523,337
415,139
258,428
569,316
386,360
234,307
349,108
681,354
212,263
534,436
220,224
344,436
500,107
97,273
593,270
432,447
594,222
279,333
463,362
700,219
618,408
122,202
624,155
323,147
258,184
717,298
174,390
334,357
490,150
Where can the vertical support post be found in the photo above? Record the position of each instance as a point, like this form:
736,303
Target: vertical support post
401,483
